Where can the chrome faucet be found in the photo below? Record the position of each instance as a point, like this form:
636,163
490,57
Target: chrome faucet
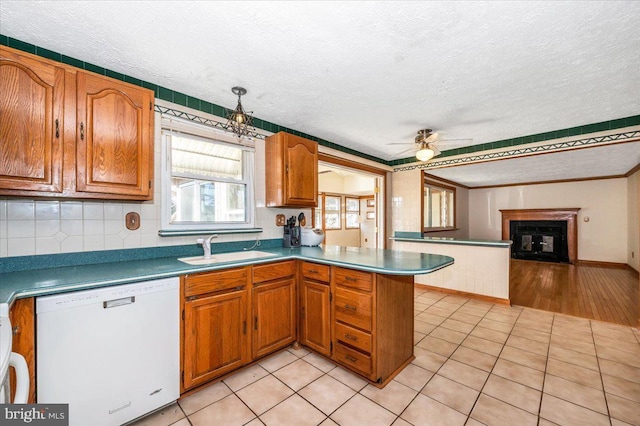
206,245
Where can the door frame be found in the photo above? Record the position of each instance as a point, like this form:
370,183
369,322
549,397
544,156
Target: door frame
380,176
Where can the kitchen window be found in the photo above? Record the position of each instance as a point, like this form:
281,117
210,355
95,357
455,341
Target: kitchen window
207,179
438,206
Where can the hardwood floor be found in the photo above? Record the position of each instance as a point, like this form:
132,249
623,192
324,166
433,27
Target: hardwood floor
602,293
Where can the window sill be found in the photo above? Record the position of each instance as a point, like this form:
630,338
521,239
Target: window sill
431,230
184,232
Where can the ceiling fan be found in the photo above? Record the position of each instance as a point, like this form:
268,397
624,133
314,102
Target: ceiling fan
427,141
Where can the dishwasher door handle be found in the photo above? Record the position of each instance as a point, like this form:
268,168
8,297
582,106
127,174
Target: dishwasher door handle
118,302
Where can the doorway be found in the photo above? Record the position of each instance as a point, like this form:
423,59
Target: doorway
350,206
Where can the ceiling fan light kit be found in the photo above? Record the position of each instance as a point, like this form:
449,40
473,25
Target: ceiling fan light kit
425,153
426,140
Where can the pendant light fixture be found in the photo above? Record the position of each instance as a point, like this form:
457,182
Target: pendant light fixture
238,120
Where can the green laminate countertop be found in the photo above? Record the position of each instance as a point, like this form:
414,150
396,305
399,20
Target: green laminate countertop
417,237
39,282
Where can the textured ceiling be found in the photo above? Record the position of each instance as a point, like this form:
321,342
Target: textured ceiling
365,74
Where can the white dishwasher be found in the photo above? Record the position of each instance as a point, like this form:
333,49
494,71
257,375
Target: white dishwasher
111,353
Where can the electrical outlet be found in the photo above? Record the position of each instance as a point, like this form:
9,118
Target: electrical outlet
281,220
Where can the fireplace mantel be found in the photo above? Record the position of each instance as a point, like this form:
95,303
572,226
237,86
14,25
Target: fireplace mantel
568,214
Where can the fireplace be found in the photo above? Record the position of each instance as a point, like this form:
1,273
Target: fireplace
544,240
538,233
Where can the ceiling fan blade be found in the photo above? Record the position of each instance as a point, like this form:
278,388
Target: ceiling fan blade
435,149
400,143
432,138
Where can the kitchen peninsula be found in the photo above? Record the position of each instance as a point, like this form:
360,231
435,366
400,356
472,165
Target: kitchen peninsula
351,305
481,268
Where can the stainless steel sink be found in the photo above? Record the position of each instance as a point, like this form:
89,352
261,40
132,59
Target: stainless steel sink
226,257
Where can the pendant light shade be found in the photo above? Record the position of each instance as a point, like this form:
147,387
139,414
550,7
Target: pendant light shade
425,153
238,120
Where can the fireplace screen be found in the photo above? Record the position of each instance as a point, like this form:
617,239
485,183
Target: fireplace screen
539,240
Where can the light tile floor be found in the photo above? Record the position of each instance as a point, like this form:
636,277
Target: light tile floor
476,363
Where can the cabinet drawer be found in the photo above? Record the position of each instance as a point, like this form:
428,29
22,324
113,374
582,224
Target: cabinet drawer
354,279
353,308
315,272
353,337
354,359
273,271
210,282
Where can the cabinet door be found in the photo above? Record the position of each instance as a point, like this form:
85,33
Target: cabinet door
314,317
274,324
22,316
31,128
115,138
301,171
215,336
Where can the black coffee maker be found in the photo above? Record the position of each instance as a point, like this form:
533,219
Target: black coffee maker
291,233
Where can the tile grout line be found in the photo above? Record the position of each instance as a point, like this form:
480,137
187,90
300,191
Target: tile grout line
546,364
449,357
604,390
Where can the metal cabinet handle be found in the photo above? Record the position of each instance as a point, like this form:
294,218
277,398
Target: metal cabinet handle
255,323
57,129
313,271
351,279
350,337
351,308
350,358
81,131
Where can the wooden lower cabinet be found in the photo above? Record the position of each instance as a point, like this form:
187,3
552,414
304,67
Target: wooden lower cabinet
274,318
315,327
215,336
372,322
215,329
232,317
23,321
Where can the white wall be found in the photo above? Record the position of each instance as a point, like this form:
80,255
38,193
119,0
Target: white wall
406,199
331,182
633,217
367,227
603,238
29,227
477,269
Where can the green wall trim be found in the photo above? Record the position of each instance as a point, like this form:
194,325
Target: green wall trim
220,111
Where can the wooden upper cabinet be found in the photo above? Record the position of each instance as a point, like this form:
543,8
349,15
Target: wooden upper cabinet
31,128
115,147
65,132
291,171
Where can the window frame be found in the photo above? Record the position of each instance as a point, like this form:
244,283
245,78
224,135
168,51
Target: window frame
325,211
171,125
425,181
348,212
